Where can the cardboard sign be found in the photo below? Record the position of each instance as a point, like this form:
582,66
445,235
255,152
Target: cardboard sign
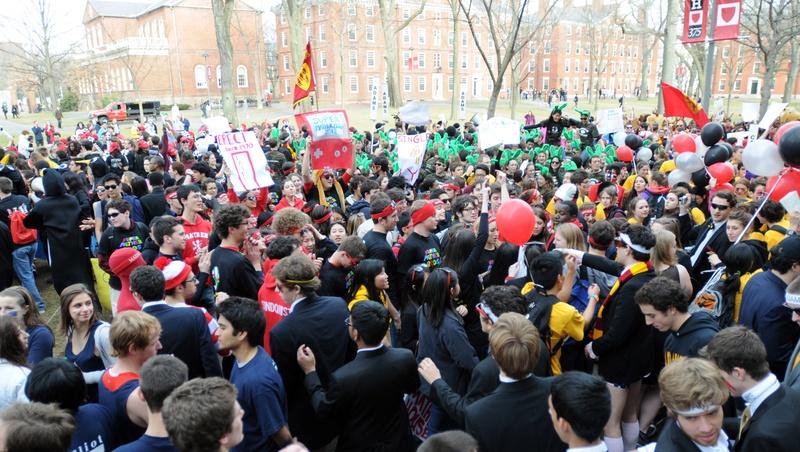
331,146
610,121
246,160
749,111
771,115
410,154
498,131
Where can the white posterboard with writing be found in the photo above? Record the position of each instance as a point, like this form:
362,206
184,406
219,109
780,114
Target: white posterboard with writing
246,160
498,131
610,121
410,154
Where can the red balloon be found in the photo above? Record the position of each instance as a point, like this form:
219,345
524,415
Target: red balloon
783,129
683,143
721,171
515,221
788,183
624,154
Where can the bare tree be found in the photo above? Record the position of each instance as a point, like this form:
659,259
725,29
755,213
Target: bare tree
455,12
293,10
794,60
391,26
511,26
732,67
223,10
771,24
600,28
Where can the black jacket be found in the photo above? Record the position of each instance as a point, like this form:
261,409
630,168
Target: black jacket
672,439
693,335
185,335
774,425
154,204
366,397
496,420
317,322
719,243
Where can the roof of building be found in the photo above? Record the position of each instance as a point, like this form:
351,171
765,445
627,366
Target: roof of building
136,8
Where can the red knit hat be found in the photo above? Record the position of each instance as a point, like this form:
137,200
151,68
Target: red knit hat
175,272
124,260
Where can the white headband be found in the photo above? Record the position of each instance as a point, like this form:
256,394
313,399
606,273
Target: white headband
627,240
696,410
793,300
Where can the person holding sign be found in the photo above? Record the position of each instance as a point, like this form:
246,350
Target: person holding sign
322,186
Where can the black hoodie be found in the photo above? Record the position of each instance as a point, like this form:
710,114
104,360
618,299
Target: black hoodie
693,335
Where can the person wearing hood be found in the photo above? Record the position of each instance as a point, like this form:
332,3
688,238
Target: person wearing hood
656,192
58,216
556,124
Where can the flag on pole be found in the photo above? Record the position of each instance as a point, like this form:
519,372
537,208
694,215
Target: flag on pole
729,14
305,82
677,103
695,15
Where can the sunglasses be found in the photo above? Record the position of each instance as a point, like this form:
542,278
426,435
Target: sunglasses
113,214
251,197
720,206
794,310
111,187
328,177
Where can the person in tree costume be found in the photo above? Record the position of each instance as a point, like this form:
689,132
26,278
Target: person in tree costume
556,124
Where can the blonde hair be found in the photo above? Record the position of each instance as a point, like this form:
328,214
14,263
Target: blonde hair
662,253
132,328
573,236
515,344
691,383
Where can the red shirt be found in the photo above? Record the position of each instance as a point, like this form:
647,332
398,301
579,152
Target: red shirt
275,309
196,235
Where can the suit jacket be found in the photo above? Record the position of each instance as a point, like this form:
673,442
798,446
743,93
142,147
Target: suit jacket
694,235
672,439
774,425
792,378
317,322
496,423
184,333
366,397
154,204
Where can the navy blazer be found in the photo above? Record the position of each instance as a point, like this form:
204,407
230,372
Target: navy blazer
774,425
184,334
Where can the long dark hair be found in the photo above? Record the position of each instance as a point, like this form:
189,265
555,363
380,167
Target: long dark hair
436,294
415,280
505,256
739,259
542,215
11,348
458,249
364,275
25,299
67,295
139,186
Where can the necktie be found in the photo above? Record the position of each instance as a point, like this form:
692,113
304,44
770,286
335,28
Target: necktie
796,361
743,422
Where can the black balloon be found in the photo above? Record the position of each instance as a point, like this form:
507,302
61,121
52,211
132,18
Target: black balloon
789,147
712,133
633,141
700,178
716,154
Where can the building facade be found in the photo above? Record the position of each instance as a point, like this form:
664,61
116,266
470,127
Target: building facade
167,50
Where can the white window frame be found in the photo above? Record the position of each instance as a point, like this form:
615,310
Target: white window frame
353,78
323,59
370,59
352,58
406,84
241,74
369,31
546,65
421,60
422,84
200,77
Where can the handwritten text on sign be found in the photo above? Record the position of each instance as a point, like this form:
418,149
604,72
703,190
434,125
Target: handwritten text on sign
246,160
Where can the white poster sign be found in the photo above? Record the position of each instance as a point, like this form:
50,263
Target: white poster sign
410,153
385,102
246,160
610,121
462,103
752,134
373,102
771,115
740,136
749,111
217,125
498,131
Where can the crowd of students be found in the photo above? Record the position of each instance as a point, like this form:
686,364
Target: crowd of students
346,309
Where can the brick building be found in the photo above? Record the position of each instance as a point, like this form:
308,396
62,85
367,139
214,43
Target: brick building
167,50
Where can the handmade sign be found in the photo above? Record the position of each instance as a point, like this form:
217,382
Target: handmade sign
610,121
246,160
331,146
410,154
498,131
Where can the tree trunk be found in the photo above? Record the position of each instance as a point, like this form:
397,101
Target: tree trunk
223,10
514,93
496,87
668,58
647,56
770,63
386,9
454,58
791,79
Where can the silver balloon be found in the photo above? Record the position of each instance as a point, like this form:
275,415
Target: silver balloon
761,157
644,154
688,162
701,147
677,176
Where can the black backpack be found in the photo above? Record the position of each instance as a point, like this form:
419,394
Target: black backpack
539,309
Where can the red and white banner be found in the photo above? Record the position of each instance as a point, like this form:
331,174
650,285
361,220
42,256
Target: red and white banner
695,15
331,146
729,16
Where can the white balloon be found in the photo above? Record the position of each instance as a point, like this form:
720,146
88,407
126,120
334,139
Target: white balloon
619,138
644,154
688,162
761,157
678,176
701,147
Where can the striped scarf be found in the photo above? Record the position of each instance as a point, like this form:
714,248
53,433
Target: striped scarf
635,269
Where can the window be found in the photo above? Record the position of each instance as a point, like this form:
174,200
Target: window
566,65
578,48
450,61
324,84
464,61
421,36
568,48
463,39
370,32
322,34
546,65
622,50
286,62
351,9
450,38
286,86
370,58
407,84
723,69
323,59
546,84
321,10
307,12
284,41
586,49
371,83
477,62
628,51
421,60
353,84
406,13
530,84
353,58
437,16
351,32
530,65
370,10
219,76
636,52
437,37
308,34
200,79
547,47
490,59
757,67
450,82
241,76
569,30
740,52
577,65
406,36
421,84
437,60
737,85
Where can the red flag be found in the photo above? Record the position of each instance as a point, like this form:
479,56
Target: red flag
331,145
695,14
729,14
677,103
305,82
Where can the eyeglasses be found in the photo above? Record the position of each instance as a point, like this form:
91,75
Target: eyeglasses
347,322
439,164
794,310
720,206
113,214
251,197
111,187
